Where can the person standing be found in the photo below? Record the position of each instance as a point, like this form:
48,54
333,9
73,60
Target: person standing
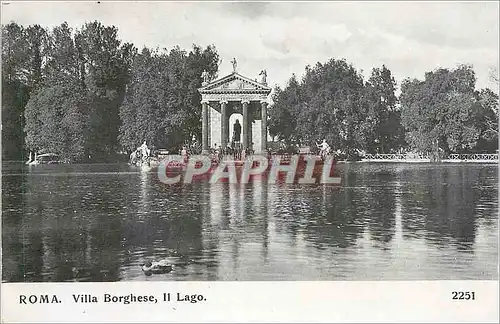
184,154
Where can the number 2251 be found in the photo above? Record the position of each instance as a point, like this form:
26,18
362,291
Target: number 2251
463,295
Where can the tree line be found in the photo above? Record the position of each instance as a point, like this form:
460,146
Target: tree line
442,114
87,95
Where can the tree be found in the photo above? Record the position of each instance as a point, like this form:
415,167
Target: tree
62,64
14,53
56,121
329,103
382,127
489,100
15,91
15,95
23,57
78,81
443,112
486,120
162,104
197,61
104,72
494,75
38,47
284,112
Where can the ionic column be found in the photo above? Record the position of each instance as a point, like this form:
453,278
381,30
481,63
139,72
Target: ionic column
224,124
204,127
209,126
250,122
245,123
263,127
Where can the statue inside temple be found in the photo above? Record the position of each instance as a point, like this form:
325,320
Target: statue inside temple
236,131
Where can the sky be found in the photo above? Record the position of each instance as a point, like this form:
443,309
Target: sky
410,38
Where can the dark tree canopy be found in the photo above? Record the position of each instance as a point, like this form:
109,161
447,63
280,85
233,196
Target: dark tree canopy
445,113
383,130
162,104
77,78
332,102
113,97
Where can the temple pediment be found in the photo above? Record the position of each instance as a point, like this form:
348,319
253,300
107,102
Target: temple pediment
235,83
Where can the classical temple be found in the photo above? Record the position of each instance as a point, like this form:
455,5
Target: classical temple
234,94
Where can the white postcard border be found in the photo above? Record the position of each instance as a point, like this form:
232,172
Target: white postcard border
282,301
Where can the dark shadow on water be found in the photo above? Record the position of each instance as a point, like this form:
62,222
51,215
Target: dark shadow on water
442,204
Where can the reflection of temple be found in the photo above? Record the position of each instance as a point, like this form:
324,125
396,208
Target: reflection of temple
230,95
235,230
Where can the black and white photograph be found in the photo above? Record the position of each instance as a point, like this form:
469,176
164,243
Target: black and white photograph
249,141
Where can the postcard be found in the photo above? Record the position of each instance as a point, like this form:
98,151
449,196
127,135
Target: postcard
249,161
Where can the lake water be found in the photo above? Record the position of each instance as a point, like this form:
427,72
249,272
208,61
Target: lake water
385,222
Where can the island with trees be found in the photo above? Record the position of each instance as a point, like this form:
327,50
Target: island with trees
89,97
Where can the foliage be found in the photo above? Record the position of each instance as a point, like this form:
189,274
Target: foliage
82,77
162,104
56,121
382,126
78,78
104,71
15,95
15,89
84,94
332,102
444,112
486,117
14,53
282,115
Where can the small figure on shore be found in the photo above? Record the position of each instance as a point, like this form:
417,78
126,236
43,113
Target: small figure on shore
133,157
324,149
144,149
216,156
229,149
140,155
184,154
237,150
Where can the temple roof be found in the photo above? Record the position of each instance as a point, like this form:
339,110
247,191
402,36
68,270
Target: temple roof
235,83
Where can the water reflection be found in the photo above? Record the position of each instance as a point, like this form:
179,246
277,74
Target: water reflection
444,207
100,222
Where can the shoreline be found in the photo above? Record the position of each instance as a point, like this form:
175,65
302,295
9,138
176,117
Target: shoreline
364,161
428,161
